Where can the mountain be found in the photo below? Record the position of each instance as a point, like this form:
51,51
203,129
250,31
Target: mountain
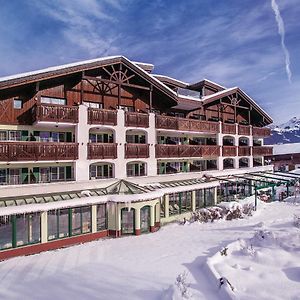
288,132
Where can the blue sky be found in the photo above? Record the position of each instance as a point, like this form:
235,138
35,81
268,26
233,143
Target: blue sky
232,42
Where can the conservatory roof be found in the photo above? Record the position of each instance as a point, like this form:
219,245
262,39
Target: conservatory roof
119,191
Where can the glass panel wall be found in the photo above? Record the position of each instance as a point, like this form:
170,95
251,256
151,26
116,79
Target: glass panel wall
6,232
101,217
127,221
58,224
28,229
81,220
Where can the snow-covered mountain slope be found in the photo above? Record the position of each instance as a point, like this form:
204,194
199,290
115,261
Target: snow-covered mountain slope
288,132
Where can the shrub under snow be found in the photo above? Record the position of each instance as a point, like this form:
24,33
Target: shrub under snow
224,210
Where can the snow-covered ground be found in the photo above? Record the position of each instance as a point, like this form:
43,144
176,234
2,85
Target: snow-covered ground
145,267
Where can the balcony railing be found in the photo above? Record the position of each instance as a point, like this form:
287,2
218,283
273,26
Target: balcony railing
102,150
166,151
102,116
244,130
244,150
228,128
261,132
262,151
229,150
36,151
135,119
174,123
136,150
55,113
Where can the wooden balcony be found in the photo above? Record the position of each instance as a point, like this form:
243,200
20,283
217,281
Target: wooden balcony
243,130
229,150
167,151
228,128
37,151
262,150
183,124
261,132
136,150
102,151
135,119
55,113
102,116
244,151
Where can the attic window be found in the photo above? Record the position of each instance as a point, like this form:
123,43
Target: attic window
18,103
56,101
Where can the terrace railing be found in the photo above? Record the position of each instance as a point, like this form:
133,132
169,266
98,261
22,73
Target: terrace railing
244,151
243,130
228,128
166,151
136,150
37,151
55,113
229,150
262,150
135,119
261,132
183,124
102,151
102,116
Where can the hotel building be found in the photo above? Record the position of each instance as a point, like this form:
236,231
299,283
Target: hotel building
106,148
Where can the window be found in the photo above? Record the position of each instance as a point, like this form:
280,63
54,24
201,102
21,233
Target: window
3,174
93,104
101,171
101,217
199,199
101,138
136,169
15,135
186,201
18,103
81,220
3,135
127,108
174,204
56,101
57,173
44,174
6,232
14,176
28,229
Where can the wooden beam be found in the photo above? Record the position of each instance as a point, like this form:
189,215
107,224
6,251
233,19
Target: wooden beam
116,82
150,98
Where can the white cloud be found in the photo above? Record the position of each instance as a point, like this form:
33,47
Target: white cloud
281,31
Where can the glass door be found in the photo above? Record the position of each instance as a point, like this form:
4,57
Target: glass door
127,221
145,219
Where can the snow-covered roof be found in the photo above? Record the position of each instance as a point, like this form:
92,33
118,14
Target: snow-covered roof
217,84
56,68
6,80
286,148
171,79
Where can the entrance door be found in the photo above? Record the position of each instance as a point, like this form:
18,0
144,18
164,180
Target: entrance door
145,219
127,221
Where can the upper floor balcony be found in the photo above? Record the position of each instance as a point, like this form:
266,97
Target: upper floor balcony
135,119
229,150
244,150
136,150
167,151
244,130
55,113
102,151
184,124
261,131
262,150
228,128
37,151
102,116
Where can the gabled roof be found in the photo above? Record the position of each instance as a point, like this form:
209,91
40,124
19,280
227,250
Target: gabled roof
67,69
227,92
